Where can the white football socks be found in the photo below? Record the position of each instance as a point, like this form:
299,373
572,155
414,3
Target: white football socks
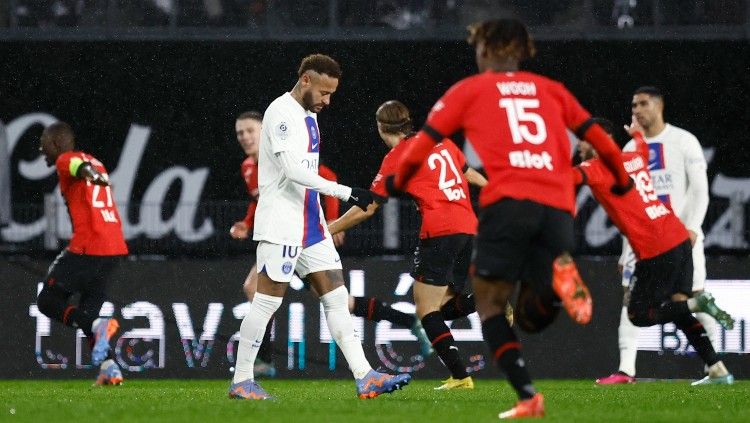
692,304
717,370
709,324
627,337
251,334
336,308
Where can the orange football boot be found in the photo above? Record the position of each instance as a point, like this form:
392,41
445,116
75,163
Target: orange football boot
572,291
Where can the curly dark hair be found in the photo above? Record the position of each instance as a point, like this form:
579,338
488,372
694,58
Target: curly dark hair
504,38
321,64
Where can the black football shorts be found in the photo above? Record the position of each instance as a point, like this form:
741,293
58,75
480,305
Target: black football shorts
444,261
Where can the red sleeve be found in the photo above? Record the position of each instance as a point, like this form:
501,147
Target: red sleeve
330,204
250,215
412,158
573,113
249,174
387,167
578,176
641,145
575,116
590,172
445,118
609,153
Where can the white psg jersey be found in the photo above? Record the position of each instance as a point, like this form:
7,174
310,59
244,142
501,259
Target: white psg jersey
676,157
288,213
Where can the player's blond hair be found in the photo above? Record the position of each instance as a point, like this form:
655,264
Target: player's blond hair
394,118
503,38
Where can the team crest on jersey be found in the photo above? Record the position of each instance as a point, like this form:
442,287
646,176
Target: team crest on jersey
282,131
286,267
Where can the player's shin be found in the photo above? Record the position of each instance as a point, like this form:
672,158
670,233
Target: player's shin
696,335
374,310
252,330
443,342
505,349
336,308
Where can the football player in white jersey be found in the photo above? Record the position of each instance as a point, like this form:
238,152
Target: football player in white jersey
678,171
291,232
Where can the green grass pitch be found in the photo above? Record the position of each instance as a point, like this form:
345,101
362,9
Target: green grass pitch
310,401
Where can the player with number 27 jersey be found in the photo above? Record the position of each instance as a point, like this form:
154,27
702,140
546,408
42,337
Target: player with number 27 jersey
97,229
439,188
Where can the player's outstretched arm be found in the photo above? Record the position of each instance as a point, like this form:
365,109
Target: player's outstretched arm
412,158
297,173
475,178
293,169
609,153
353,217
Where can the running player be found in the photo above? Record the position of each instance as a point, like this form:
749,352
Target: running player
517,122
247,128
292,238
441,261
678,169
662,282
96,247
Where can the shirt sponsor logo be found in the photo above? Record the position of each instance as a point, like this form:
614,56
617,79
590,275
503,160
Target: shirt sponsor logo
656,211
282,131
529,160
656,156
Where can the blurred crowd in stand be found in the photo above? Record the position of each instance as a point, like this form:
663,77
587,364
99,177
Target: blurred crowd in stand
397,14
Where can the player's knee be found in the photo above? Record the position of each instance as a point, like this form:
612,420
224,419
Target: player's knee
249,291
533,313
640,316
47,302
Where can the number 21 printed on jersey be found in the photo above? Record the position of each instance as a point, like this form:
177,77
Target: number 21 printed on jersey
445,161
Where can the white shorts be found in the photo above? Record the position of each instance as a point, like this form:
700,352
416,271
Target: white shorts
280,262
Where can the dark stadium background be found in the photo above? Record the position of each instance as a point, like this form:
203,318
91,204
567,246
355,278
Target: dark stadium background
188,84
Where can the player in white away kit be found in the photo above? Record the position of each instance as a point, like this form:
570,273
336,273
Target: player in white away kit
678,171
292,234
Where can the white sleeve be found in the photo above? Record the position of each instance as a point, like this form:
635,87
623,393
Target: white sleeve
297,173
627,251
696,196
630,146
279,131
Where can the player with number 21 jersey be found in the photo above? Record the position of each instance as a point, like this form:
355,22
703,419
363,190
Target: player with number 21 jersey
439,188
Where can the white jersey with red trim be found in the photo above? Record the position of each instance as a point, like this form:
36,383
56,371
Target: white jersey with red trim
288,213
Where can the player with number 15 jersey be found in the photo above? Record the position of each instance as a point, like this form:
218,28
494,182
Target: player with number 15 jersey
517,122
